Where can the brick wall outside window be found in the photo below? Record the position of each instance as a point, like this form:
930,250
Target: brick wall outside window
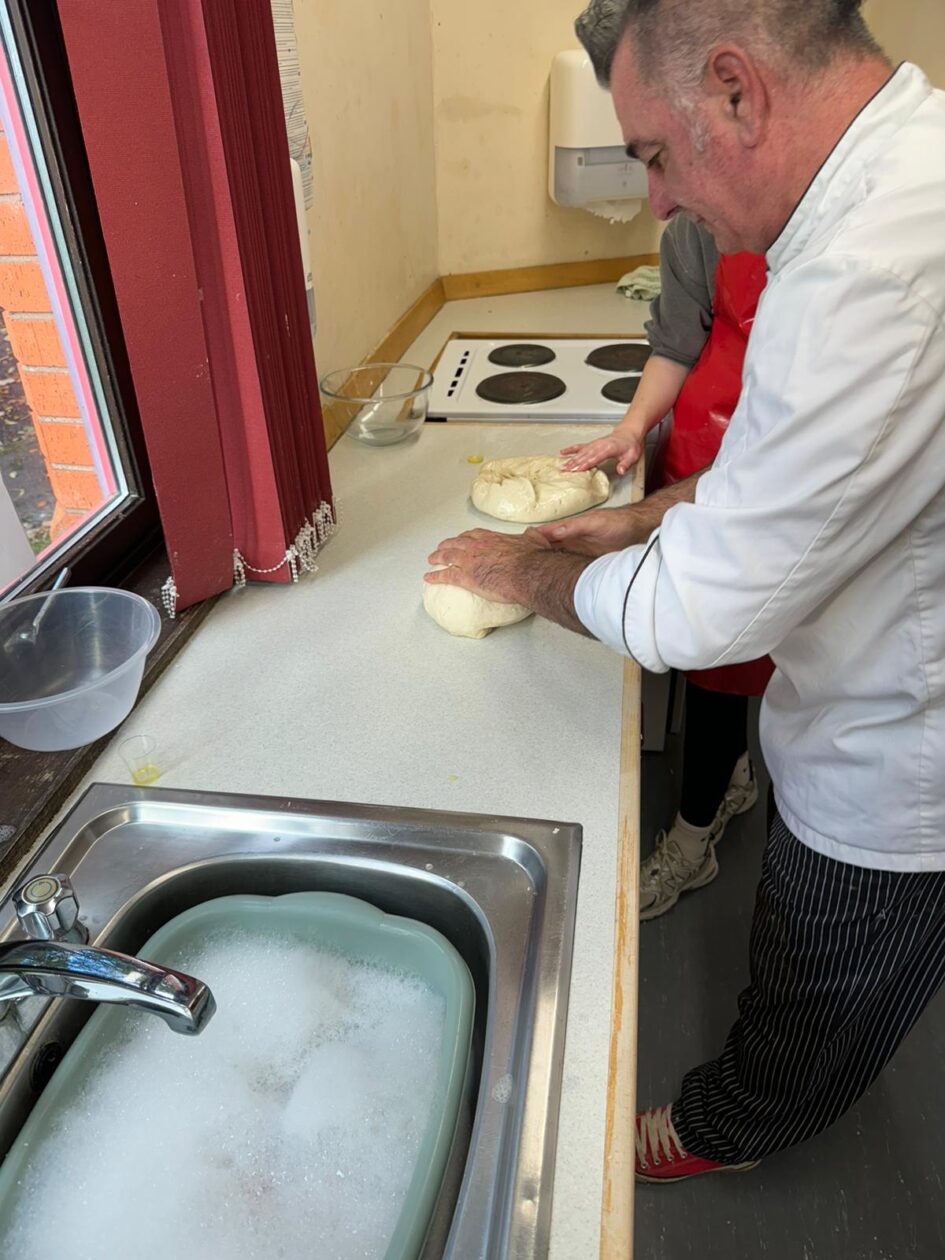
26,310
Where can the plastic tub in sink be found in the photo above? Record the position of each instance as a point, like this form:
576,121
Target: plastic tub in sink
48,1161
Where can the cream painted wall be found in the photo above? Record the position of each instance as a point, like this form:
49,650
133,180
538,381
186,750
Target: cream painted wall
492,60
912,30
368,88
430,149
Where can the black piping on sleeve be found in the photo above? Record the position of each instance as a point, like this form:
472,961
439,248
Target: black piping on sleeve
626,599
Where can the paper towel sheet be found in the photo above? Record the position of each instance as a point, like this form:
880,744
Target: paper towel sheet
616,211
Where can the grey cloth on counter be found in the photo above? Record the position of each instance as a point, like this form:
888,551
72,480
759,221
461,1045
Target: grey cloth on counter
681,316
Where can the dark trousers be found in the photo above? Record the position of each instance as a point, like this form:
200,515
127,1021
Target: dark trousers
716,735
843,962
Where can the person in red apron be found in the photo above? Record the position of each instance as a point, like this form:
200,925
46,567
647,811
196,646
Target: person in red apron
718,779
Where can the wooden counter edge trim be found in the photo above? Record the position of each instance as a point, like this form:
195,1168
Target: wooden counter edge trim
567,275
620,1141
403,334
616,1232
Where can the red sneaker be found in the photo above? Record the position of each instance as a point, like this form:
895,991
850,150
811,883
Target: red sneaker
662,1157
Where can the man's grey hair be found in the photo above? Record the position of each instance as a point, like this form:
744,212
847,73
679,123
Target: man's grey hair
674,37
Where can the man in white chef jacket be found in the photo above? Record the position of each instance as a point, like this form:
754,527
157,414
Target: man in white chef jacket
818,535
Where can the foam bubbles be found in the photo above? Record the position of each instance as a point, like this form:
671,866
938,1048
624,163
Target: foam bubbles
502,1089
289,1128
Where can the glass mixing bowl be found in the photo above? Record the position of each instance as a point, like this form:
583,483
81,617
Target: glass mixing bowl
381,403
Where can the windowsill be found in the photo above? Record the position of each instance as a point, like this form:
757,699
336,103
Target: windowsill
34,786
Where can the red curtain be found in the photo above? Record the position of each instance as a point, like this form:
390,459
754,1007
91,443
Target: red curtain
182,114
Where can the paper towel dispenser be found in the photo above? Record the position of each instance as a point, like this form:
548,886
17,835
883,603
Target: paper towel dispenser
587,160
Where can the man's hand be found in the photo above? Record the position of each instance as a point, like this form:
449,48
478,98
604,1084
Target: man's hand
604,530
597,533
513,569
488,564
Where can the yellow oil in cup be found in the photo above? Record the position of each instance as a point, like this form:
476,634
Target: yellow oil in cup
144,775
140,755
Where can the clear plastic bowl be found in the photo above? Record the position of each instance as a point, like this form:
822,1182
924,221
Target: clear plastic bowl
381,403
77,676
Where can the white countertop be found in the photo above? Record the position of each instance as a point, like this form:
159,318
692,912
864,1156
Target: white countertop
343,689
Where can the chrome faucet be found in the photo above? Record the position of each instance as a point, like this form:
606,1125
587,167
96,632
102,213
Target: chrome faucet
57,963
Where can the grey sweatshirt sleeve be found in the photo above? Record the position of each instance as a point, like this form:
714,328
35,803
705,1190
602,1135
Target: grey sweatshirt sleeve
682,315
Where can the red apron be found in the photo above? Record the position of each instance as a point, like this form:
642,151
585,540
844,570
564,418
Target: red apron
702,413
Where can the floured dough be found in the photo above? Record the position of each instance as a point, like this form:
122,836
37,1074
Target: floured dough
534,489
462,613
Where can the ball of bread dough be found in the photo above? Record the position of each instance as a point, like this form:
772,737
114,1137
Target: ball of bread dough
535,489
469,616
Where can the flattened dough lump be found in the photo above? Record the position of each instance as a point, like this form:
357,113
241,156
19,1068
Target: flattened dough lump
466,615
534,489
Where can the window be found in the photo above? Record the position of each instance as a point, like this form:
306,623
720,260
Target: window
152,171
161,134
74,487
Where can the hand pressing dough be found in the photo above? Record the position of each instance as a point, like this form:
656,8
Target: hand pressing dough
469,616
534,489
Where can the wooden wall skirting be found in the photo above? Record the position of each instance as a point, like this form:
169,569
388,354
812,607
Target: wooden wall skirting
616,1234
482,284
404,333
409,327
552,276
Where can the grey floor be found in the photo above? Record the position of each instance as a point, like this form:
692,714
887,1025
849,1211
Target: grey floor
871,1188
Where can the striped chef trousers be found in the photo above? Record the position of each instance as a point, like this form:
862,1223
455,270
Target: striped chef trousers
843,962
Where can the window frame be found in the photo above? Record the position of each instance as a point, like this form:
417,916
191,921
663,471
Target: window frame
127,532
141,126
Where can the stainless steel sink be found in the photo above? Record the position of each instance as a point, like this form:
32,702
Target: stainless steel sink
502,890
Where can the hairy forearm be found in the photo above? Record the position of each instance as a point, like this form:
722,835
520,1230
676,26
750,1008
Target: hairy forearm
651,510
604,530
545,582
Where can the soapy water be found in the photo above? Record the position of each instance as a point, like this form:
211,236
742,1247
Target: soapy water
289,1128
502,1089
